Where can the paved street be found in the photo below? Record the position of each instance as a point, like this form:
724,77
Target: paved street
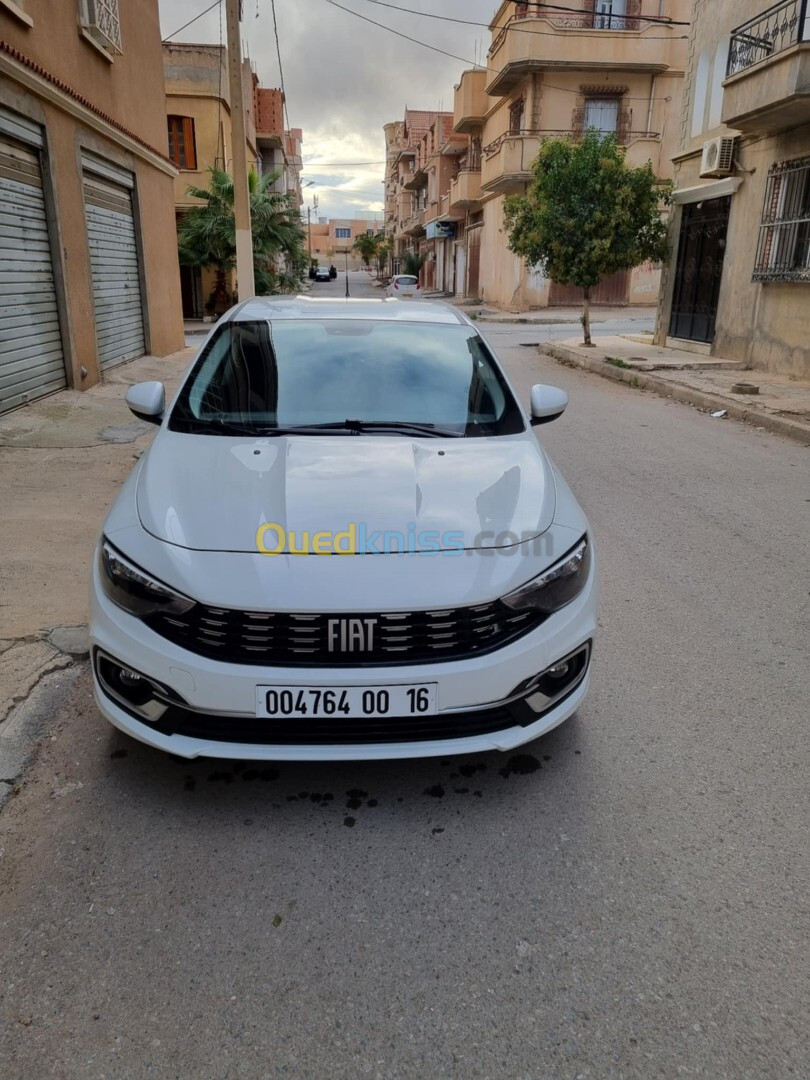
625,898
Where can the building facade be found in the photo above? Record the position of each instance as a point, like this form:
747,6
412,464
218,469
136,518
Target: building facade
331,240
198,108
88,262
198,117
738,281
556,70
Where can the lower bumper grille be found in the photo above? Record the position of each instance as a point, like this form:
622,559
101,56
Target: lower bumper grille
390,729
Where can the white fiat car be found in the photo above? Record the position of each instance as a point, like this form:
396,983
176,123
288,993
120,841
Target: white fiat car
343,542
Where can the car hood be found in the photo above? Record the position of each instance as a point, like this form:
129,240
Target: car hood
212,493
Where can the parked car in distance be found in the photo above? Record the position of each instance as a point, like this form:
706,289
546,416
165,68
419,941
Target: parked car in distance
403,286
322,273
344,542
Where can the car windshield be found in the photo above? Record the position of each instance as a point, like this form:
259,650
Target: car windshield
406,280
261,378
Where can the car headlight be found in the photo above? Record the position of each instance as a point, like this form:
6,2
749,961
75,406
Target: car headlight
557,586
136,591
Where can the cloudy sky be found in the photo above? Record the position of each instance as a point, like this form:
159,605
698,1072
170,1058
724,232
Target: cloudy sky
346,78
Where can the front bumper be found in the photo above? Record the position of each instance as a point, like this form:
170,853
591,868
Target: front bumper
482,689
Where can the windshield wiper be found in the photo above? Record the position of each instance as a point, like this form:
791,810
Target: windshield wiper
335,427
409,427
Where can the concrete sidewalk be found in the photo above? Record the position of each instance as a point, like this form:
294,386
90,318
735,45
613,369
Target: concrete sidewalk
780,404
62,461
553,316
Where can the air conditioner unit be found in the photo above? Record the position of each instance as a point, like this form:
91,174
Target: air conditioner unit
718,157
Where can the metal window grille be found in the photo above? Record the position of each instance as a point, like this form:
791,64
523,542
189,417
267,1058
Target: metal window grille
783,250
516,112
101,18
781,26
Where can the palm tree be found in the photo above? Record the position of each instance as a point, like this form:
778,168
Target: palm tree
206,234
412,263
367,246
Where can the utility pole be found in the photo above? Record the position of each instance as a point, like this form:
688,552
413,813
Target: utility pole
241,198
346,251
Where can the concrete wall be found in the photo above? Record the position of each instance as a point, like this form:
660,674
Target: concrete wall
55,44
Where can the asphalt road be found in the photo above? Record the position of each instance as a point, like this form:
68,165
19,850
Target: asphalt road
626,898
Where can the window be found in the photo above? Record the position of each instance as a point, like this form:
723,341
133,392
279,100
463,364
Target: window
101,21
303,372
616,14
516,112
602,114
369,232
783,251
182,148
343,234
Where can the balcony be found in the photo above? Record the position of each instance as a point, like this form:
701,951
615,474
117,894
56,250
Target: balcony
465,190
415,180
415,224
574,42
470,103
507,162
767,85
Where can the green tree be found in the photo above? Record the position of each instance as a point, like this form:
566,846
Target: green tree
366,247
412,263
206,234
384,249
587,214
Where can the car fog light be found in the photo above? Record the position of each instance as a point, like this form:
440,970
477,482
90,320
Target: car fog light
139,694
558,671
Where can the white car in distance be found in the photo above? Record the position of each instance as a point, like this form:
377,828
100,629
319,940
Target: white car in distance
403,287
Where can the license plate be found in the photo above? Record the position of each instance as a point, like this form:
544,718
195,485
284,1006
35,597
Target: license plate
407,294
417,699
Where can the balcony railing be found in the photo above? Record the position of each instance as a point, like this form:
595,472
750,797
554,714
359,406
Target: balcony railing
624,133
781,26
579,20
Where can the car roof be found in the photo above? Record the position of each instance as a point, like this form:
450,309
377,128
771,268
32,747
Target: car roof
311,307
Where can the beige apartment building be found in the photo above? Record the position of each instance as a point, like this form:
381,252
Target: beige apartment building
88,259
406,187
557,70
331,240
198,111
738,281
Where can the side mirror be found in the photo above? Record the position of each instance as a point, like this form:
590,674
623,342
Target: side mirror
147,400
548,402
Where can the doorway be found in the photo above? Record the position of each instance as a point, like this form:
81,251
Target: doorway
699,269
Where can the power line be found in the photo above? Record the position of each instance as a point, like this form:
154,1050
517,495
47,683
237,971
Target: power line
466,60
183,27
399,33
520,30
335,164
280,69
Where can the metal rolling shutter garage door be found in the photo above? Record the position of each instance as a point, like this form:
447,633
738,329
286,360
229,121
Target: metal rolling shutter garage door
31,358
113,265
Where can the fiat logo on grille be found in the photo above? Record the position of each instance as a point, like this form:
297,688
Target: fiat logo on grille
351,635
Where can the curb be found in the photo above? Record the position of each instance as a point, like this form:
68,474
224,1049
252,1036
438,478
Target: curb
779,425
